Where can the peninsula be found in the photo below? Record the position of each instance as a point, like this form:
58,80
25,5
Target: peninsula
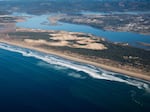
84,48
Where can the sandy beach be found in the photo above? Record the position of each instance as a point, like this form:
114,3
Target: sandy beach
82,60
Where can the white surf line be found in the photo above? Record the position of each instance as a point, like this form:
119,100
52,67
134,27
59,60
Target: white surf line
91,71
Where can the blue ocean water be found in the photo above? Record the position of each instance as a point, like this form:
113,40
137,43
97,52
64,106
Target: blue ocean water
31,81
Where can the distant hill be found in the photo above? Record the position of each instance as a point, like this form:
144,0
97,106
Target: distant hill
69,6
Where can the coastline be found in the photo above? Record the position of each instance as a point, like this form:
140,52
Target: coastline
82,60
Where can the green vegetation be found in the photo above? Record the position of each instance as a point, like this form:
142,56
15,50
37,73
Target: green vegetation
31,35
125,55
135,57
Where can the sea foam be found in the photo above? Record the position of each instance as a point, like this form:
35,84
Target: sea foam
90,70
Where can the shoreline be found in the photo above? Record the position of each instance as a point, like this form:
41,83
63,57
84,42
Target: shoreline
85,61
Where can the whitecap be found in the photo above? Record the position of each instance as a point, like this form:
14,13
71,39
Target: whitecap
90,70
76,75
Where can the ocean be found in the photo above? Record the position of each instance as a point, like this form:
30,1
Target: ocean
32,81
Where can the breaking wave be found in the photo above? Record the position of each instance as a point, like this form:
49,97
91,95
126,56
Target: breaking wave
92,71
76,75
